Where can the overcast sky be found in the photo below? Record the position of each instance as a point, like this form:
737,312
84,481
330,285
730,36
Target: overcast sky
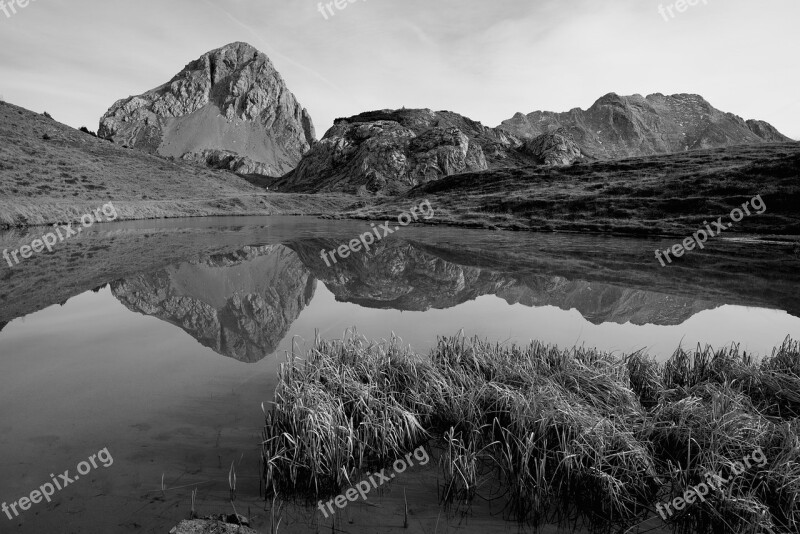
484,59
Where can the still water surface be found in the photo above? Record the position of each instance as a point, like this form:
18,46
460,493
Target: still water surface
160,340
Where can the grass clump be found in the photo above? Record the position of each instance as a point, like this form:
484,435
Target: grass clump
560,435
338,411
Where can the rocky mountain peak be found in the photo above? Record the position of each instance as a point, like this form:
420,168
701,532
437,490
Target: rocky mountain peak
229,100
611,99
618,126
390,151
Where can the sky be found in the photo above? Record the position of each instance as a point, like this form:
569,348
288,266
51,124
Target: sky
484,59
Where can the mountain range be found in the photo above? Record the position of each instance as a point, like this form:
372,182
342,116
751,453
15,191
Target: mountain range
226,128
230,109
617,127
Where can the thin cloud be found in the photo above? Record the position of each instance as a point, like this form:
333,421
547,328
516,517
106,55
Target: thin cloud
271,51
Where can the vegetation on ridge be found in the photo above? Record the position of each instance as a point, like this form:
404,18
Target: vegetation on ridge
655,195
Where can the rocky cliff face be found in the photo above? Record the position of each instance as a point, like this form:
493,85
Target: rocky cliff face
625,126
392,151
766,131
231,99
554,149
240,305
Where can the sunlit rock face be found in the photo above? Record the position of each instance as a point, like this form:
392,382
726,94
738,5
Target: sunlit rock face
240,305
554,149
391,151
231,100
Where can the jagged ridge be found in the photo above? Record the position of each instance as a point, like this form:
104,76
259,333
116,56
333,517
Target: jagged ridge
626,126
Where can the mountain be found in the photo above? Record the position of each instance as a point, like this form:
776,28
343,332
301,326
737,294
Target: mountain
230,100
238,304
391,151
627,126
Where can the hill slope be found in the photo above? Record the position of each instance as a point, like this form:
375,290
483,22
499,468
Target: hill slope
58,179
628,126
230,102
655,195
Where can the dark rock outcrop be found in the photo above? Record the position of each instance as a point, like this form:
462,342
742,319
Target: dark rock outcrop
240,305
227,160
231,99
554,149
392,151
626,126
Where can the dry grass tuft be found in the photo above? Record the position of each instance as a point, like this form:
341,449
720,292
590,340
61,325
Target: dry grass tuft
566,434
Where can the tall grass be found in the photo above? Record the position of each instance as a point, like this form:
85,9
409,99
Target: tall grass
574,435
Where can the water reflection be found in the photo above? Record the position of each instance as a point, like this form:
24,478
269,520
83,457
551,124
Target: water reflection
405,276
151,305
239,304
242,304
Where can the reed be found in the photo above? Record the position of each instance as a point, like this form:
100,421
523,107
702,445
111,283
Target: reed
193,513
232,482
568,435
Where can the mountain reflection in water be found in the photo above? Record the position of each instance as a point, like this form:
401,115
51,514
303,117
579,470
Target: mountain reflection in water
242,304
246,286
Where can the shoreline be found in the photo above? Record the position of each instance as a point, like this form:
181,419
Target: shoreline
46,212
290,204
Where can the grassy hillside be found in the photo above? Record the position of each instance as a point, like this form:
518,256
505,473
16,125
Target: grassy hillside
656,195
50,172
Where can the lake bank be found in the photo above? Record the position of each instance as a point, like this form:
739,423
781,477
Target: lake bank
23,213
